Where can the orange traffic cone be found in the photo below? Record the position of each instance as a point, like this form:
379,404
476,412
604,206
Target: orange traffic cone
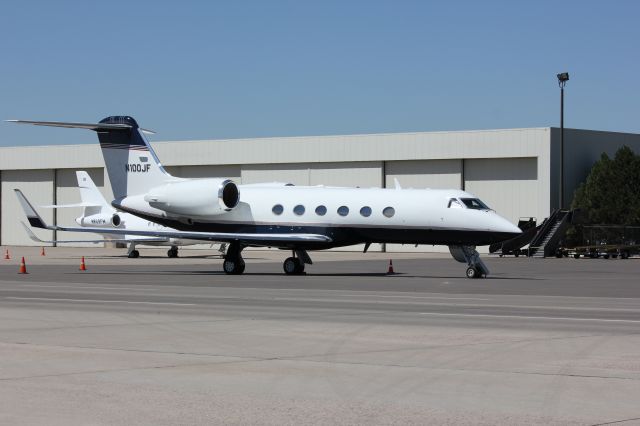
6,255
23,267
42,253
82,265
390,271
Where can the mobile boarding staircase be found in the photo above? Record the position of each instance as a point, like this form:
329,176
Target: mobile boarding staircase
543,240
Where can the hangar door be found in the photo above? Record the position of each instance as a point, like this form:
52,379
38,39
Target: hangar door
420,174
37,185
217,171
507,185
67,193
363,174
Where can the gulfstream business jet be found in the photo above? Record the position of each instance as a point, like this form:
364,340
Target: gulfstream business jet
296,218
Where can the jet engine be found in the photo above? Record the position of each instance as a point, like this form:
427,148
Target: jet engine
99,220
197,197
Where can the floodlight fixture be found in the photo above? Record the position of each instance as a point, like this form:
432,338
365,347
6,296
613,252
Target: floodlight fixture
563,77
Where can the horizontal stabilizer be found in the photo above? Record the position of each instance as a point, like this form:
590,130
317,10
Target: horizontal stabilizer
89,126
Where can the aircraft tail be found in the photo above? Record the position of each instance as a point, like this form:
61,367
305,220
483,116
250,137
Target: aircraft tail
132,166
90,195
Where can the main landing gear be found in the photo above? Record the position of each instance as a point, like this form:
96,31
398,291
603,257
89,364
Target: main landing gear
468,254
234,264
172,252
132,253
295,265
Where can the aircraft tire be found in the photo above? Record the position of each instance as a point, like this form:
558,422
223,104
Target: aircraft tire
172,253
134,254
472,272
233,267
292,266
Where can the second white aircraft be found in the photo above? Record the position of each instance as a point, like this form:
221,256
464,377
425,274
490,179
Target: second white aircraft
97,213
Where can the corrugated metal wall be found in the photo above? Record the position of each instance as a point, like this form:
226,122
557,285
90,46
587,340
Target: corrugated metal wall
507,185
435,174
363,174
38,186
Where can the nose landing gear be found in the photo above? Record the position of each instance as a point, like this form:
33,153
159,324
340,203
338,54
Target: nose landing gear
473,272
469,255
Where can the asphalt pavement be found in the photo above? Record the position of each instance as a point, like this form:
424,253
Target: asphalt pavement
175,341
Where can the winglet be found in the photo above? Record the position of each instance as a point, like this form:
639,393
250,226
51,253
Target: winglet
31,234
33,216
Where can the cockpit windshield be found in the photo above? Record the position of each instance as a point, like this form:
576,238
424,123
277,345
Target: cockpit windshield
474,203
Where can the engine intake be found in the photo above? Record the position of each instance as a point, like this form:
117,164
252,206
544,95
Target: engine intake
197,197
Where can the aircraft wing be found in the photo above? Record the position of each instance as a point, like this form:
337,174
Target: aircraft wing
35,238
253,238
66,206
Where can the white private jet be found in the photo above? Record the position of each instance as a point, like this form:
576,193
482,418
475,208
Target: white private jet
297,218
97,213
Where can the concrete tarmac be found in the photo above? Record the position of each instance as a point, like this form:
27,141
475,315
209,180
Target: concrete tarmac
175,341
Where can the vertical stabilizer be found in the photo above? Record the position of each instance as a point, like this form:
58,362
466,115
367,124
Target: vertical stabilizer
91,195
132,165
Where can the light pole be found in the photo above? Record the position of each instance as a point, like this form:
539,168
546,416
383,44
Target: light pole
562,80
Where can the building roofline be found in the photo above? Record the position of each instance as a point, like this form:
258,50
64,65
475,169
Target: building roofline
348,135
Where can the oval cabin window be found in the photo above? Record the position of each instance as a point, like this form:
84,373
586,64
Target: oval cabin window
389,211
365,211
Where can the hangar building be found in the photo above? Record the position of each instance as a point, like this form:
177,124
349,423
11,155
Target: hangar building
514,171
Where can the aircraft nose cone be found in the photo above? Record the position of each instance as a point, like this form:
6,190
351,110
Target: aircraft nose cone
510,228
79,220
503,229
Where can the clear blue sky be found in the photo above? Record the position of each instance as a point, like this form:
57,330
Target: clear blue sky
232,69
